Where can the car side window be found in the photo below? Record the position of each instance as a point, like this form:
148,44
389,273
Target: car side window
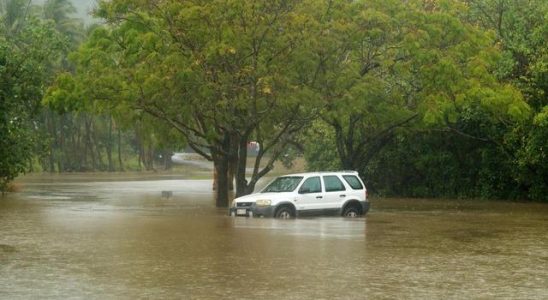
353,181
333,184
311,185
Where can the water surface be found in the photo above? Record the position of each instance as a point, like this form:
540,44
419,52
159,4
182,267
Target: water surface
98,237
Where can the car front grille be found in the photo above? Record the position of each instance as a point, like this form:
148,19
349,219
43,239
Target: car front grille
244,204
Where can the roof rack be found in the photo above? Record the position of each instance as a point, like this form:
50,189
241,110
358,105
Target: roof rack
325,172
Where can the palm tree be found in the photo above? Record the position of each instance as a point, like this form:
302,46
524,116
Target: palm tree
13,15
61,13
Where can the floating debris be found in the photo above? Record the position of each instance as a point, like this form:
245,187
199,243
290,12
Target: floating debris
167,194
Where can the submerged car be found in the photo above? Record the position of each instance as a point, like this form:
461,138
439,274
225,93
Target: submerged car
306,194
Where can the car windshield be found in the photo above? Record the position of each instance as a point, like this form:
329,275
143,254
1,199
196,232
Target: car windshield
283,184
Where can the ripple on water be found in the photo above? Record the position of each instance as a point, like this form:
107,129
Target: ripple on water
7,248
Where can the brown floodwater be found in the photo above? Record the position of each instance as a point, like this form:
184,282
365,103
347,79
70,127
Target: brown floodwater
98,237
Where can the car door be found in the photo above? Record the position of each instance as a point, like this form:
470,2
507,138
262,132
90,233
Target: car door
335,193
310,196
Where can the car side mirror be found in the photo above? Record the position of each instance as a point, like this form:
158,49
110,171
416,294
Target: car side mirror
304,190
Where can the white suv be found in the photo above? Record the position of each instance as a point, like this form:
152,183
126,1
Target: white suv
319,193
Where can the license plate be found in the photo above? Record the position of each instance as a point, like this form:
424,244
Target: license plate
241,211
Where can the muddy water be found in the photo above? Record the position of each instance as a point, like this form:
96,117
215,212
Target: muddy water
105,238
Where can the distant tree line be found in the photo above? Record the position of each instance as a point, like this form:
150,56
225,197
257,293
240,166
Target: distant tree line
84,142
35,42
424,98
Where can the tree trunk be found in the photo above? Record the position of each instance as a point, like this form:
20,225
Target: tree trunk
231,168
141,156
109,146
221,157
150,157
231,172
342,143
52,145
80,154
84,143
167,159
120,162
97,144
61,144
72,157
241,181
214,186
140,145
221,179
89,142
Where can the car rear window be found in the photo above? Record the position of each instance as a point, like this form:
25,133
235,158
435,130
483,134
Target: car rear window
333,183
353,181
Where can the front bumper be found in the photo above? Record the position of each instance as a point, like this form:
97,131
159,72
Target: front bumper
252,211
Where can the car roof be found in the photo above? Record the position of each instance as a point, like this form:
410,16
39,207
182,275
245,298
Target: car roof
306,174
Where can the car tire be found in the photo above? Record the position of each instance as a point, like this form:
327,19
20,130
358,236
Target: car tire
351,211
285,212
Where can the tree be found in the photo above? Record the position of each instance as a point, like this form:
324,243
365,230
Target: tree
14,15
61,12
391,65
23,73
521,31
222,73
56,123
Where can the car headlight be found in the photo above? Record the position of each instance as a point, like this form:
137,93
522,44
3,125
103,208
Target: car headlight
263,202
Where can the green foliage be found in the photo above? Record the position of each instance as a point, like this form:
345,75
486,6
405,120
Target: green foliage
221,73
437,164
389,66
23,73
321,151
424,98
522,34
60,12
471,71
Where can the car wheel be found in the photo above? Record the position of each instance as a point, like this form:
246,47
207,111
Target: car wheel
285,213
351,212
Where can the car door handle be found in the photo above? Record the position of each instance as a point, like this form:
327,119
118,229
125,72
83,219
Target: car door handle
342,196
319,197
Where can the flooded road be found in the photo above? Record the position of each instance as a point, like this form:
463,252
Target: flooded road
113,238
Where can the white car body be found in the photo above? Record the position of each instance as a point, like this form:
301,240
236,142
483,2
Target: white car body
315,193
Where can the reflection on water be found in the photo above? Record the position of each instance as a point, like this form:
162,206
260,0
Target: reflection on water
122,239
331,228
